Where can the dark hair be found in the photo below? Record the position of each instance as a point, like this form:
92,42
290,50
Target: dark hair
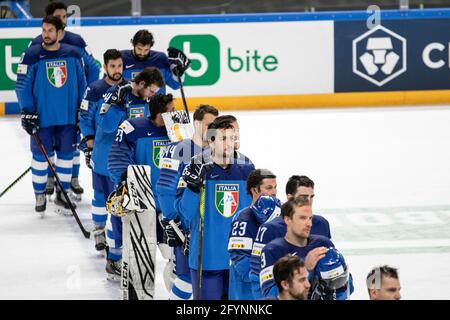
256,177
228,117
288,208
216,125
111,54
298,181
203,109
284,268
52,6
143,37
150,75
383,271
158,104
56,22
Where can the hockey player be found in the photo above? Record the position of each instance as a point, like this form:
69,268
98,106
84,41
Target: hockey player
176,156
291,277
122,101
295,187
50,87
215,192
297,214
383,283
142,56
91,69
89,115
262,187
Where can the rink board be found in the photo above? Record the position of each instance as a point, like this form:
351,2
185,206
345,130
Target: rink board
295,60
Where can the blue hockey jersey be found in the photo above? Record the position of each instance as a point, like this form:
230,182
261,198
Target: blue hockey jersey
243,232
90,107
138,141
91,68
132,66
277,249
224,195
51,83
173,161
111,116
271,230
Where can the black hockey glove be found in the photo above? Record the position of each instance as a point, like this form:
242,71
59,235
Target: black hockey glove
86,150
30,122
178,61
194,173
119,95
170,236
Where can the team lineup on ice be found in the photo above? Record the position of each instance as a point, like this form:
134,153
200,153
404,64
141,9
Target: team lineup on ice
207,204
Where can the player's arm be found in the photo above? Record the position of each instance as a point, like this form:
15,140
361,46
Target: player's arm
81,80
166,187
240,247
86,116
121,154
267,281
92,70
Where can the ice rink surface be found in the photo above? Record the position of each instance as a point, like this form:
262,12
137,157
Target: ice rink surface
382,179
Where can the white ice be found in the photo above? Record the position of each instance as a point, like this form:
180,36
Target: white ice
382,179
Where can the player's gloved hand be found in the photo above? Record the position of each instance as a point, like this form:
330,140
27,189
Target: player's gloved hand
195,172
178,61
30,122
170,236
118,97
187,238
321,292
86,149
118,200
265,206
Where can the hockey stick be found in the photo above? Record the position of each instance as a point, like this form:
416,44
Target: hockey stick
86,233
14,182
200,243
182,94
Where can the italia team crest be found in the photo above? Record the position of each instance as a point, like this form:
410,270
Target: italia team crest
56,73
158,148
226,199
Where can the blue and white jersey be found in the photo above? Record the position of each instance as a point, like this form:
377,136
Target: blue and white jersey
133,66
51,83
224,195
243,232
279,248
111,116
138,141
90,107
174,159
90,66
271,230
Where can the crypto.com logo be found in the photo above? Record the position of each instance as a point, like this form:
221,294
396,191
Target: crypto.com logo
379,55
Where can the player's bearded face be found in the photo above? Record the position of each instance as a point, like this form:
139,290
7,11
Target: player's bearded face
146,92
141,51
224,143
49,34
62,15
114,69
299,285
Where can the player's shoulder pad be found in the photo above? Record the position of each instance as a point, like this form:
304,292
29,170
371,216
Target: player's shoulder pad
127,127
70,50
74,39
37,40
127,56
31,54
320,219
315,239
159,59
